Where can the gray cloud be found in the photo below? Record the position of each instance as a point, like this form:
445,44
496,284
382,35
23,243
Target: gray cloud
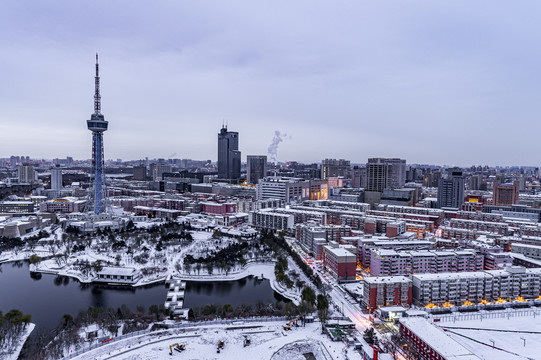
433,82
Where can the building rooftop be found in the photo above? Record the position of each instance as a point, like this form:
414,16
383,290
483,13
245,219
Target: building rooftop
118,271
386,279
338,251
525,246
437,339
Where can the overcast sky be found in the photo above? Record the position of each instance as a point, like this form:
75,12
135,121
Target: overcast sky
441,82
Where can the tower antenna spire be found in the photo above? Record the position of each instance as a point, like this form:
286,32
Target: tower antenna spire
97,125
97,97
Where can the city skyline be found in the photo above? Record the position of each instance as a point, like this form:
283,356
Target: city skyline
456,90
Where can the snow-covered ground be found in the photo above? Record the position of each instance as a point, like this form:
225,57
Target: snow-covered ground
267,341
15,354
513,338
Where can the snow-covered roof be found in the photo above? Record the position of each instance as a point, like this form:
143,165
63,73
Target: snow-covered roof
386,279
525,246
437,339
108,270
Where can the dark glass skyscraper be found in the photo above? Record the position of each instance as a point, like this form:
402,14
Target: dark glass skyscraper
228,154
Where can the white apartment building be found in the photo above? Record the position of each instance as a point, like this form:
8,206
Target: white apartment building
490,285
271,220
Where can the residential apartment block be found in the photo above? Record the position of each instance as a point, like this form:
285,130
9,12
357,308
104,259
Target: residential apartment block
457,288
386,262
386,291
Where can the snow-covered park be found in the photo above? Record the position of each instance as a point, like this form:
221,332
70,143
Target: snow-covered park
267,341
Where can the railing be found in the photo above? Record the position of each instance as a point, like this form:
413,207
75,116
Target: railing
488,315
182,325
188,277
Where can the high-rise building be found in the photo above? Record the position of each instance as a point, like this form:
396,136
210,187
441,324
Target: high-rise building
97,125
505,194
159,170
26,173
256,168
334,168
283,188
451,190
475,182
378,175
139,172
56,178
357,176
228,154
385,173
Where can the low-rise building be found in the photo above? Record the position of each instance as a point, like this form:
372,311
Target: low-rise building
219,208
154,212
532,251
499,260
386,291
118,275
430,342
271,220
17,207
63,205
341,263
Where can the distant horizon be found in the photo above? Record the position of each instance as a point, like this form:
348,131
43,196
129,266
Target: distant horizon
352,163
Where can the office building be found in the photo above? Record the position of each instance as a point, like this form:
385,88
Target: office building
335,168
378,175
140,173
26,173
256,168
228,154
451,190
56,178
63,205
385,173
17,207
475,182
159,170
283,188
505,194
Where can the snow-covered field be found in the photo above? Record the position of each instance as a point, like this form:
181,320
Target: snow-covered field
267,341
513,338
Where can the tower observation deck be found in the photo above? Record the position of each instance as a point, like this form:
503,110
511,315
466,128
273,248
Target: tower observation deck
97,125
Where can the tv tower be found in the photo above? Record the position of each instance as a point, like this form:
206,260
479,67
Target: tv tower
97,125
